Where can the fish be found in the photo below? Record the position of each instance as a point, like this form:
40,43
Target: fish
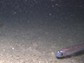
70,51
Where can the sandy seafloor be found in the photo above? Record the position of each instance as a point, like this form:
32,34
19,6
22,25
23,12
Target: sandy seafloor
37,41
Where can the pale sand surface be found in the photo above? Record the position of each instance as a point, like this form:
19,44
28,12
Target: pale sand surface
37,43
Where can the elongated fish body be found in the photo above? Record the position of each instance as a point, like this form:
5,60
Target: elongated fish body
69,51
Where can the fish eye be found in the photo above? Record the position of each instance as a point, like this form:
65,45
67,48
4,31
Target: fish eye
61,53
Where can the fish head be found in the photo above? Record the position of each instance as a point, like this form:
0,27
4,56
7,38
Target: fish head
59,54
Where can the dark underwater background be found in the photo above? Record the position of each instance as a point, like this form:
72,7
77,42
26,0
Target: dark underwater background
32,31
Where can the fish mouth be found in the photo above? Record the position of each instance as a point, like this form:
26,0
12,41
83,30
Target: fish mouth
59,57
